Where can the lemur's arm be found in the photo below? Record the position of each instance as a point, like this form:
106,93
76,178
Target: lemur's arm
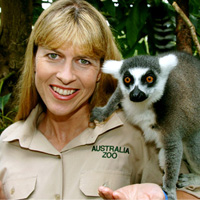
101,113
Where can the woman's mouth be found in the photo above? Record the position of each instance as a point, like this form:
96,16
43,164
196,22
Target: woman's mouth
64,92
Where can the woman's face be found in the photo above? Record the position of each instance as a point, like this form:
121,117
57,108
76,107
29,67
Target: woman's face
65,79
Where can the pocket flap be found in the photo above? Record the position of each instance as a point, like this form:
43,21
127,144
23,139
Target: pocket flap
19,188
92,180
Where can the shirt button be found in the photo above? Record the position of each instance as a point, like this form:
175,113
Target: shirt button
12,191
57,197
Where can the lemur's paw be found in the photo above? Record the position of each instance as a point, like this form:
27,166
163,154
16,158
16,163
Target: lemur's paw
97,114
188,179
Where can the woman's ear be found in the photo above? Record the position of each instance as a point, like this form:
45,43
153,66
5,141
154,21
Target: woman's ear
99,76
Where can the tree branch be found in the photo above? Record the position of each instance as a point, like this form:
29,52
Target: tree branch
189,24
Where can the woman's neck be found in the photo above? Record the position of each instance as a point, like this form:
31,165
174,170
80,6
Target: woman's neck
60,130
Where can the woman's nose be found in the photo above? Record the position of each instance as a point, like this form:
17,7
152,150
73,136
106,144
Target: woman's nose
66,74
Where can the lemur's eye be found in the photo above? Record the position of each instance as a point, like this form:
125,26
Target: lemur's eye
127,79
149,79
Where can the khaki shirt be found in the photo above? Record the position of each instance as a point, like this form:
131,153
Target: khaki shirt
113,154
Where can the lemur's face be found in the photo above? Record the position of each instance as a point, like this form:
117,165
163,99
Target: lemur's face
138,83
142,78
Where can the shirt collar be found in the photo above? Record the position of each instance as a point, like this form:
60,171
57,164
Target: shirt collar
90,135
23,130
25,133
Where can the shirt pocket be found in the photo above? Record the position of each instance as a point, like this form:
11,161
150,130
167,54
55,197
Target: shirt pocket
19,188
90,181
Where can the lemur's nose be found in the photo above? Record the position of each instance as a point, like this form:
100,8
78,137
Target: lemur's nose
136,95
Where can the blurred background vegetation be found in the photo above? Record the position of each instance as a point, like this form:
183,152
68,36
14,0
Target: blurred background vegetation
139,27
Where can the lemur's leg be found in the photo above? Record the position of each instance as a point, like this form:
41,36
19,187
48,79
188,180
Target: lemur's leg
192,155
101,113
173,151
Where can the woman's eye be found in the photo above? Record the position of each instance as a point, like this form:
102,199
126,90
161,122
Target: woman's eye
53,56
84,62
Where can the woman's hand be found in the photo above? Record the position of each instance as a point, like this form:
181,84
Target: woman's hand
146,191
183,195
2,196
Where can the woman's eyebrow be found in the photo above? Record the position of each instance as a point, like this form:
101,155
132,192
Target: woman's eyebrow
51,49
87,57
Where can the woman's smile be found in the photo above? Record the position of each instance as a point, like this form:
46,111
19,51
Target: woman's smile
62,93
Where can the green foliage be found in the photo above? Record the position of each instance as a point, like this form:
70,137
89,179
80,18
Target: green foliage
136,21
5,117
37,8
127,19
130,22
194,10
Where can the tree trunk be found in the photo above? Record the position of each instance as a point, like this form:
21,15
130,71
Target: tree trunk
183,36
16,24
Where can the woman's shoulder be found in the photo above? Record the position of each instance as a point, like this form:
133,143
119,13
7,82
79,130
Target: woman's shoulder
11,129
21,127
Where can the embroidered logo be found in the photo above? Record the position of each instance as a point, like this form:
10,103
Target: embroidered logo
110,151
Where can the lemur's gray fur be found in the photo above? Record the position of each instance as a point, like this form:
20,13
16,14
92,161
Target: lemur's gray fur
161,94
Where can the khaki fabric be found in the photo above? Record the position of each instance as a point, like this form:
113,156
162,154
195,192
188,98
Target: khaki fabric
112,154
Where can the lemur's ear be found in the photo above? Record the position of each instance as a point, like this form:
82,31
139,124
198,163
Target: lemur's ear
112,67
168,62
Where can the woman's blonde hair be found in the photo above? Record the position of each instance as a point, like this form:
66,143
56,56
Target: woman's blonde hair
71,22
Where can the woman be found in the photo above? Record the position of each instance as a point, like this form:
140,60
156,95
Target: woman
50,152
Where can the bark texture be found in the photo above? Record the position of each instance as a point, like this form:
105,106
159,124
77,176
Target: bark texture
16,24
183,36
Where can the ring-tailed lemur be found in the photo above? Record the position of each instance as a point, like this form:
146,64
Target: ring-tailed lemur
161,94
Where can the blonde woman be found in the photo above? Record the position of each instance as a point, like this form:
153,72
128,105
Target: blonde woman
51,152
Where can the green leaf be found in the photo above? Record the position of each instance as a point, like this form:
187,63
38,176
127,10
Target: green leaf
109,5
141,48
3,101
3,80
136,21
128,53
195,3
8,119
157,2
